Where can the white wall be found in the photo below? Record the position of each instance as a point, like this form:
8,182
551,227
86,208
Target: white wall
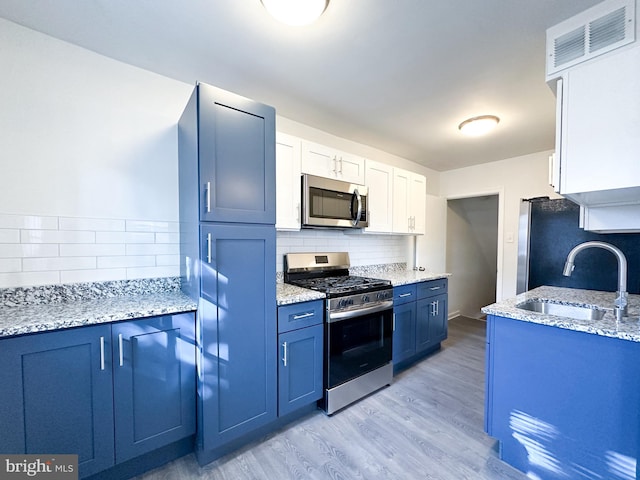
513,179
89,147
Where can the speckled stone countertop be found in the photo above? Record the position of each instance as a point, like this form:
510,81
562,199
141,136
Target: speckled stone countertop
53,307
625,329
396,273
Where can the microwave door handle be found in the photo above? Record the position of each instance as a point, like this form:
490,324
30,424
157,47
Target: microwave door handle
358,215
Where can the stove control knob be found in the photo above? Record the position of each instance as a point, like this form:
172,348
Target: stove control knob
342,303
365,299
350,301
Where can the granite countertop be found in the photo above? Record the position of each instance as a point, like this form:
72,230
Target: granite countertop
396,273
40,309
625,329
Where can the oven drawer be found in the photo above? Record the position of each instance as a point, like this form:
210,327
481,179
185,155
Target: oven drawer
432,287
300,315
404,294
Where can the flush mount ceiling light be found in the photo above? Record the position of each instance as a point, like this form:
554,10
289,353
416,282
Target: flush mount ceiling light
296,12
476,126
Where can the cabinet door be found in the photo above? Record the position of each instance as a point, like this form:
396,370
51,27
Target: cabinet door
599,126
288,183
300,368
401,185
350,168
379,180
154,383
236,139
319,160
417,200
404,328
438,319
237,321
57,396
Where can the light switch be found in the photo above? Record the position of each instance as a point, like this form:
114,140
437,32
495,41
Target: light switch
509,237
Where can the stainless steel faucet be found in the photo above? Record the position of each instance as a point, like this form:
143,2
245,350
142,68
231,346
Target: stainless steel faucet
620,304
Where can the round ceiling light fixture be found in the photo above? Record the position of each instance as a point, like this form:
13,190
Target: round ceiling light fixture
477,126
296,13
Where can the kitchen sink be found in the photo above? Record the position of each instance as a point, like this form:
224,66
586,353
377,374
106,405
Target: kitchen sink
562,310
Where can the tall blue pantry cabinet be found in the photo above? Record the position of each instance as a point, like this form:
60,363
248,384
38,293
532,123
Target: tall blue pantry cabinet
227,228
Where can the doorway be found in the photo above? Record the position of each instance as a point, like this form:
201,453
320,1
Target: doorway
472,253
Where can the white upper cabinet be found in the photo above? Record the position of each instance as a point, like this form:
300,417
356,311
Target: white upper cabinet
288,183
328,162
598,130
409,196
379,180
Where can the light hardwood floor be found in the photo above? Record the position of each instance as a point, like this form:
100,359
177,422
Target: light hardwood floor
427,425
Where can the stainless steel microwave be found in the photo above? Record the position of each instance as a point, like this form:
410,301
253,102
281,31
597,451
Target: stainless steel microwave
333,203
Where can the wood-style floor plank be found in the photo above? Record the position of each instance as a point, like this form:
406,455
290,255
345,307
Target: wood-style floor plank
427,425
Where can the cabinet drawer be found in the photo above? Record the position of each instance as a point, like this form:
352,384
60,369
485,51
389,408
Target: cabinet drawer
432,287
404,294
299,315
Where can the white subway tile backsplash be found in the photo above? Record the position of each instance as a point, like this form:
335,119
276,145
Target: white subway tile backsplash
151,272
101,275
58,263
153,249
56,236
26,279
93,224
38,250
92,249
126,261
28,222
8,265
20,250
9,236
167,238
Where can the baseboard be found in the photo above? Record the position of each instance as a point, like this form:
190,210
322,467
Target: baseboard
454,314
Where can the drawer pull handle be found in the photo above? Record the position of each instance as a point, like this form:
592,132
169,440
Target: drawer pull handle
101,353
303,315
402,295
435,288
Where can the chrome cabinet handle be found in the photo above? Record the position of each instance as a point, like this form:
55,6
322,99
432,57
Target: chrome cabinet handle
120,350
303,315
340,165
335,165
394,322
101,353
284,358
208,248
434,288
437,307
208,196
402,295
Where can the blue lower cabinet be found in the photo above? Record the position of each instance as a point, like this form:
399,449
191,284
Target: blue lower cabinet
300,368
420,320
154,383
404,331
56,396
58,393
237,388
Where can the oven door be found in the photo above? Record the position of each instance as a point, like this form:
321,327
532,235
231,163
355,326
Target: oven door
357,345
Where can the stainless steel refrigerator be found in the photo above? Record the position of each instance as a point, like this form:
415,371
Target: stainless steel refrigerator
549,229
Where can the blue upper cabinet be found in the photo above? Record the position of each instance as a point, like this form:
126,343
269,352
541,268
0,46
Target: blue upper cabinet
232,139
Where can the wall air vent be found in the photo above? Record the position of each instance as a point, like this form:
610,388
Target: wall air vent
598,30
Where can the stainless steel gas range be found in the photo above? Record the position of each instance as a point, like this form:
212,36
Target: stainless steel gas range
358,325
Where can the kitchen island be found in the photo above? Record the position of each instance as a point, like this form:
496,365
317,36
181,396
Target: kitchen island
562,394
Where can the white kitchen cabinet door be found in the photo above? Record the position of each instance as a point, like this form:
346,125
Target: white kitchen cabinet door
328,162
598,124
379,180
401,181
288,183
417,209
409,197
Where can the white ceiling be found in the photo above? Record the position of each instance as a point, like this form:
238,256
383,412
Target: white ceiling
398,75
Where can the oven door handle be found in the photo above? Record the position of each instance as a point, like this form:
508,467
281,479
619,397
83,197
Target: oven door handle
339,316
358,216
